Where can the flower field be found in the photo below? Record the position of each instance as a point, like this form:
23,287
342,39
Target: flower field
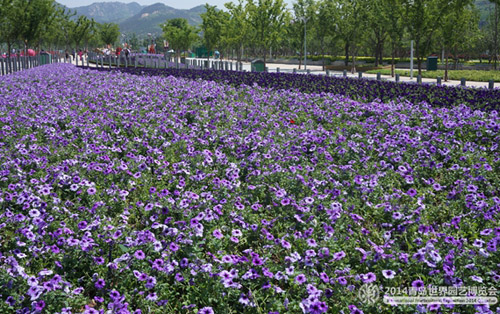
162,194
365,90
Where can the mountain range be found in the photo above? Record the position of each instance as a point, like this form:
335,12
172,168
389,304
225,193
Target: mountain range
136,18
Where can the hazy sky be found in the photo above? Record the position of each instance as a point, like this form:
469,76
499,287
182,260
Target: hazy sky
185,4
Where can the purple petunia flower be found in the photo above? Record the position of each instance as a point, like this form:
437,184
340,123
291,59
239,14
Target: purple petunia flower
418,285
173,247
476,278
217,234
100,283
433,307
114,295
139,254
339,255
39,305
472,188
257,261
436,186
368,277
206,310
355,310
324,277
412,192
300,279
179,277
152,296
10,300
388,274
486,232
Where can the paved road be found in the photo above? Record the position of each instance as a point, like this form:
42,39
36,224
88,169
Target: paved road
316,69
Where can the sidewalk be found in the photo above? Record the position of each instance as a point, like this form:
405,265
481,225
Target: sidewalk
317,70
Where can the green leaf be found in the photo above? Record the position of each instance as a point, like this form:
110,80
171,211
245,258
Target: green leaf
123,248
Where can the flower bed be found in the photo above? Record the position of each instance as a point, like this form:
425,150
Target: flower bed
365,90
124,193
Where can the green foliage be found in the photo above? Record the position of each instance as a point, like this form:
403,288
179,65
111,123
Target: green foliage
236,29
25,20
213,23
83,30
425,19
109,33
7,31
267,19
133,41
304,12
179,34
33,17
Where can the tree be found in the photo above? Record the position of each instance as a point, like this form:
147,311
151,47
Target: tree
304,14
8,15
235,30
392,12
212,25
267,19
58,33
377,24
179,34
133,41
83,30
26,20
109,33
351,24
493,31
424,19
37,14
457,29
326,17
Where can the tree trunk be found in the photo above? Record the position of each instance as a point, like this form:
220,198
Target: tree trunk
9,66
381,51
300,59
265,55
353,69
346,53
239,53
322,53
393,60
25,53
419,59
446,69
